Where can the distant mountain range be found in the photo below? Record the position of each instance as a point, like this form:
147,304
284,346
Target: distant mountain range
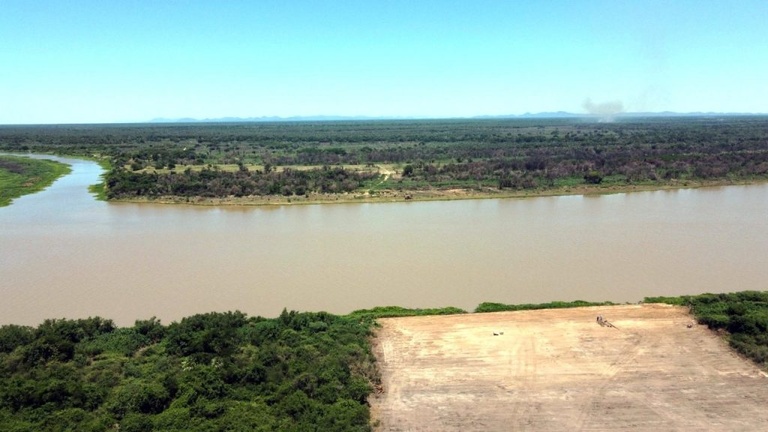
272,119
541,115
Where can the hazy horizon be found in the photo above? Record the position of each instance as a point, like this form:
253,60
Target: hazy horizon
595,117
132,62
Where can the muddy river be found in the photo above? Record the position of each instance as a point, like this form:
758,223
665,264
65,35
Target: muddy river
64,254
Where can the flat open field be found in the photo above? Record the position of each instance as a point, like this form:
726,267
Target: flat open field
558,369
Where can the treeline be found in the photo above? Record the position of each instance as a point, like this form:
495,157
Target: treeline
215,371
211,182
743,315
502,153
427,141
544,167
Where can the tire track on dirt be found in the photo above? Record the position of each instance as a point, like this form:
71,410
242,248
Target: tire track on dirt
594,406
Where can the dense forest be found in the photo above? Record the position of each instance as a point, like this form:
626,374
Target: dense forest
217,183
296,158
216,371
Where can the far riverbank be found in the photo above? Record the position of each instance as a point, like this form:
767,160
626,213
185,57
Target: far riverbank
21,176
389,196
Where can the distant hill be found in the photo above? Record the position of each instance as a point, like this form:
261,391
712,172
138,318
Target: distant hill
270,119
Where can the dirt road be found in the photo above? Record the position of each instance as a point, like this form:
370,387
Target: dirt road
559,369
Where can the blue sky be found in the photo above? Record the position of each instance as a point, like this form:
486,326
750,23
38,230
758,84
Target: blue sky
134,60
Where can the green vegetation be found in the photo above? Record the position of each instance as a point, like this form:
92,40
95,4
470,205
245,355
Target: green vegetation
743,315
123,183
480,156
499,307
99,190
20,176
227,371
215,371
370,315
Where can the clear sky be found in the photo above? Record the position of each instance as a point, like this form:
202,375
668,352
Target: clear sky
94,61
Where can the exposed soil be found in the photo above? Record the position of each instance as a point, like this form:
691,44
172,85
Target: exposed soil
559,369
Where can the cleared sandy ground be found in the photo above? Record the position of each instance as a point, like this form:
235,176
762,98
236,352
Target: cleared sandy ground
560,370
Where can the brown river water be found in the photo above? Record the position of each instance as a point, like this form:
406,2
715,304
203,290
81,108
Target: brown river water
65,255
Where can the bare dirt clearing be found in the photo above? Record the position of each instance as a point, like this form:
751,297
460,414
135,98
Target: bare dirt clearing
558,369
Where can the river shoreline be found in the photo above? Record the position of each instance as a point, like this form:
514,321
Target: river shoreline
21,176
391,196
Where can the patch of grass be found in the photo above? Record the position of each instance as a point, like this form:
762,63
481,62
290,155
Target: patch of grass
568,182
370,315
21,176
499,307
99,190
676,301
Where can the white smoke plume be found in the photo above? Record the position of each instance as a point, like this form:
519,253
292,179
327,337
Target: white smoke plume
605,111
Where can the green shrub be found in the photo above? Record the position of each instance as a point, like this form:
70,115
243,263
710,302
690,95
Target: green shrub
216,371
13,336
499,307
743,314
397,311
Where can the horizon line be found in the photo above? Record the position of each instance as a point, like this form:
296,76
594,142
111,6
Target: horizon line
331,117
